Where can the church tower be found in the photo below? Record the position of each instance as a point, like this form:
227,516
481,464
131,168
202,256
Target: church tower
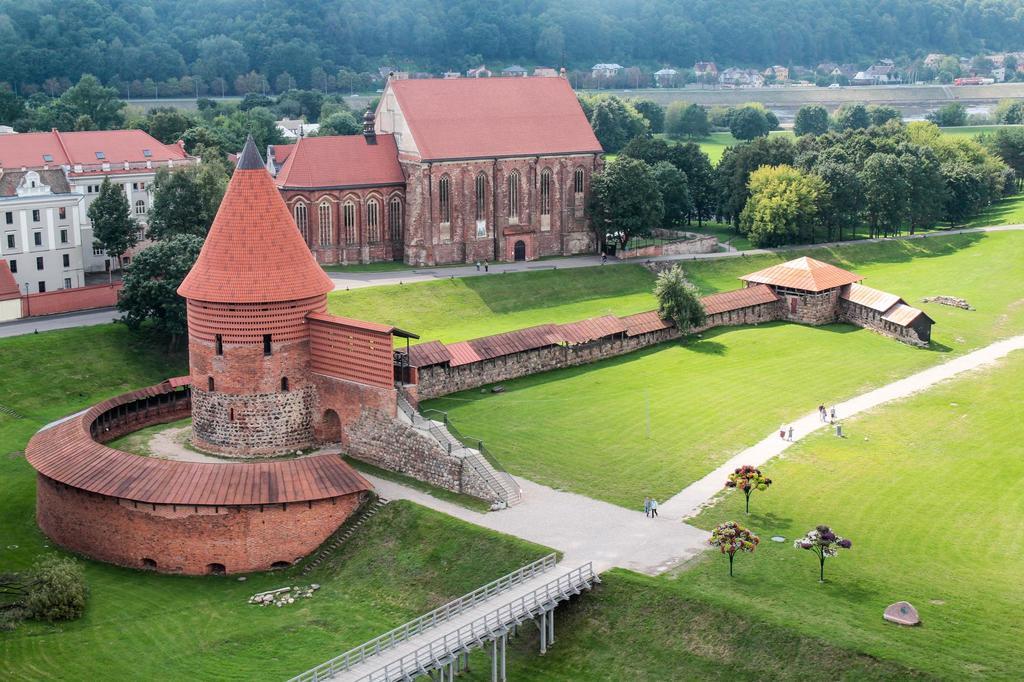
248,296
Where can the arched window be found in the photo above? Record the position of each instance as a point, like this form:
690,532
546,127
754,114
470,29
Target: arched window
284,384
395,219
545,192
373,220
444,189
481,197
349,220
577,181
302,221
326,224
140,207
513,195
209,383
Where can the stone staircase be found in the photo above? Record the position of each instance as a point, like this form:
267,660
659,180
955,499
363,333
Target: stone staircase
368,511
500,481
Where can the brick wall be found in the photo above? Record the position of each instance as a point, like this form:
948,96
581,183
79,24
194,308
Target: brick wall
186,539
70,300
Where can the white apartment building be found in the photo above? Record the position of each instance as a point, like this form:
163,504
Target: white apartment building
47,183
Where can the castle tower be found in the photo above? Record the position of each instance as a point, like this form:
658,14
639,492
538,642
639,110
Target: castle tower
247,298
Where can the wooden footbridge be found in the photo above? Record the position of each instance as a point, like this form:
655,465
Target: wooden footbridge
437,644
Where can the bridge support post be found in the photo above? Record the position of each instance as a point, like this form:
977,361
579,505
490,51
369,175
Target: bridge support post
494,660
504,645
465,663
551,626
543,632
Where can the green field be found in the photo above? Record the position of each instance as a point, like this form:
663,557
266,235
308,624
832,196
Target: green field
928,489
653,421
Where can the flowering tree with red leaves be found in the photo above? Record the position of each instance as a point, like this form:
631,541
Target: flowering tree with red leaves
748,479
730,537
823,542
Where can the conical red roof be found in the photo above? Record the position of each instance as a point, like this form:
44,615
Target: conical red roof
254,253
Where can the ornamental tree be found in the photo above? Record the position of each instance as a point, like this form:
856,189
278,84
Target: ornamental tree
730,537
823,542
112,224
748,479
679,300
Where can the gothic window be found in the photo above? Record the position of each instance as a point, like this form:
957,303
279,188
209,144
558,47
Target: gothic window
545,192
373,220
444,189
481,197
326,226
302,221
577,181
513,195
395,219
349,219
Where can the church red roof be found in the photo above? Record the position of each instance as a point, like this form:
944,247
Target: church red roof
341,161
254,253
465,118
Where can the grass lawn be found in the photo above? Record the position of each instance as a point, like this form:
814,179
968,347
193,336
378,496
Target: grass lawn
725,232
456,309
138,442
586,428
928,490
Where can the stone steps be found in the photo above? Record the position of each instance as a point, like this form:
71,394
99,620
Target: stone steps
349,529
10,413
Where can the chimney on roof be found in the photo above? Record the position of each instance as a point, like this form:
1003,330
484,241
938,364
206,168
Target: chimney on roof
250,158
368,127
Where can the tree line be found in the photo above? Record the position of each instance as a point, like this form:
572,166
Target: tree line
205,48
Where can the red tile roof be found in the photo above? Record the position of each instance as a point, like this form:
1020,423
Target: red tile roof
462,353
645,323
117,146
429,353
738,298
591,329
254,253
66,452
8,285
805,274
869,298
903,315
341,161
485,117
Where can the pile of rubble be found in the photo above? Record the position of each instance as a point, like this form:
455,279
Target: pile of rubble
283,596
950,301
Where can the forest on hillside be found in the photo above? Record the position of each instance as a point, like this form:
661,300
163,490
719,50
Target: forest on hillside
217,41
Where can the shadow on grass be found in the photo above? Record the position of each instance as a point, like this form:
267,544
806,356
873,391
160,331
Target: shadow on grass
706,347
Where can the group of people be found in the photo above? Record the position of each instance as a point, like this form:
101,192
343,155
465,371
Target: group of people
827,416
486,264
650,507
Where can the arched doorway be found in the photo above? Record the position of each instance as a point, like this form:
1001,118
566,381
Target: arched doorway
519,250
331,429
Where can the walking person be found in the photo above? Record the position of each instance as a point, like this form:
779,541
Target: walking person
478,266
821,412
832,414
647,506
604,258
782,431
654,507
790,433
486,267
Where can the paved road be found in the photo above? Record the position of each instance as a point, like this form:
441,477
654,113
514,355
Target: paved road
611,536
357,280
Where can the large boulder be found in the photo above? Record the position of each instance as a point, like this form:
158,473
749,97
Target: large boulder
902,613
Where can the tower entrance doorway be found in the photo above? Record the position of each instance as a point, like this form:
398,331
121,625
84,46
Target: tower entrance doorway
519,250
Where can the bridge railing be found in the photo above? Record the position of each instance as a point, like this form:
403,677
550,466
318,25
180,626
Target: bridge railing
426,621
482,629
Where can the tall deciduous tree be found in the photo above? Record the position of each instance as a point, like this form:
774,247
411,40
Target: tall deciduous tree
851,117
685,119
748,122
151,284
839,207
615,123
112,224
675,192
783,206
89,98
885,192
811,120
737,163
625,201
653,112
185,200
679,300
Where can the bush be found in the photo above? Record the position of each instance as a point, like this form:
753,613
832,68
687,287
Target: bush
679,300
58,590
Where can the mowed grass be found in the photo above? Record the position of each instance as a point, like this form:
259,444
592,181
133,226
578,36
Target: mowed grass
457,309
653,421
928,490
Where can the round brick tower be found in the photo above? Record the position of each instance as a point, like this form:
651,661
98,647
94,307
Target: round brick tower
247,298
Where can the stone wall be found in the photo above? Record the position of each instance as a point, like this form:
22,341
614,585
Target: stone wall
806,308
186,539
863,316
698,244
253,425
438,380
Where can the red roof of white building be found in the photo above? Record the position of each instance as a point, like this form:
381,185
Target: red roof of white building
341,161
468,118
805,274
86,148
254,253
8,285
